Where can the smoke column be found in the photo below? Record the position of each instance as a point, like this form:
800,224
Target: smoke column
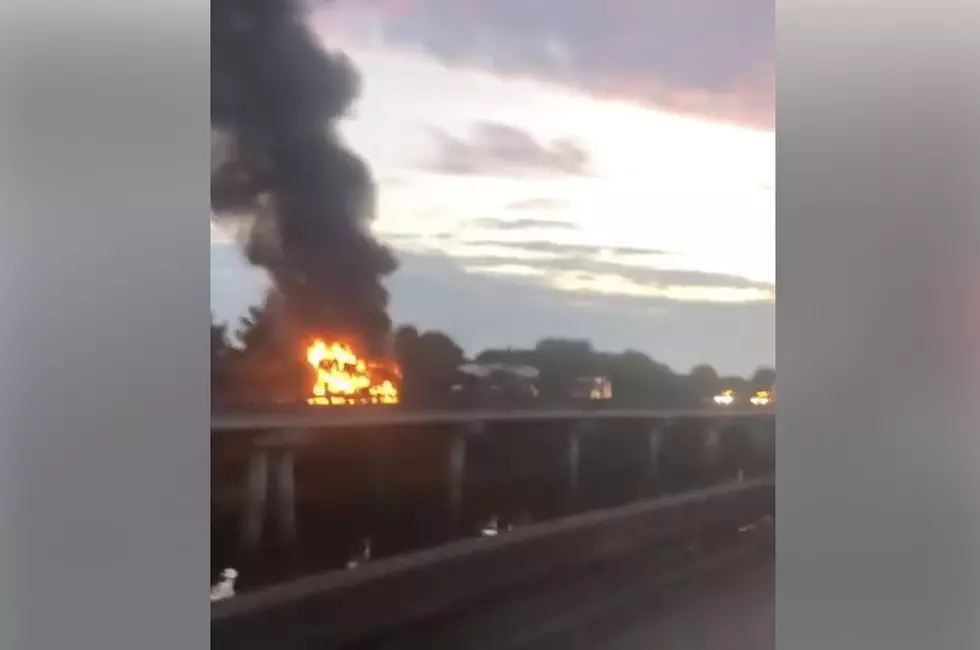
280,167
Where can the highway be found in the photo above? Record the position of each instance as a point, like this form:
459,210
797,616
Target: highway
721,601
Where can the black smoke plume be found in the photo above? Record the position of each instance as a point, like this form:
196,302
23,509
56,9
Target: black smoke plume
280,167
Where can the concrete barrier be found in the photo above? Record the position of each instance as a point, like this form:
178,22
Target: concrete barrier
339,607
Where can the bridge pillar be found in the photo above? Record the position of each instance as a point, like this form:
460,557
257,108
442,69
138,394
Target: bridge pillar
285,473
712,442
763,441
380,468
457,468
256,497
655,440
271,473
573,457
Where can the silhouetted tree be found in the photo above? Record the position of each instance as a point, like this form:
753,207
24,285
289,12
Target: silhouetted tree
266,365
255,331
561,362
406,337
705,381
429,362
740,385
269,364
639,381
763,378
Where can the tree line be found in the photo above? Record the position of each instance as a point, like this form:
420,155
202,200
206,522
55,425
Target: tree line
251,365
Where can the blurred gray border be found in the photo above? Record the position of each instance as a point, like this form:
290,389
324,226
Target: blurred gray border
878,336
104,438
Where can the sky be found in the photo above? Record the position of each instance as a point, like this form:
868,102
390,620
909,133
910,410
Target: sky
577,168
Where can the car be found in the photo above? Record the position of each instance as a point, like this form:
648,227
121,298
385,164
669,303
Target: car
725,398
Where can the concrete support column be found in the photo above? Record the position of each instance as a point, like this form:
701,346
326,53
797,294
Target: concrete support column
763,440
457,467
285,475
380,469
712,444
655,441
271,473
574,452
572,457
256,497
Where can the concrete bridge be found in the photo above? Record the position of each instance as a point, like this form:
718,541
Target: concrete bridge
724,488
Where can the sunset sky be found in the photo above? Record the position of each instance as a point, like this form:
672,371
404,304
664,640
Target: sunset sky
592,169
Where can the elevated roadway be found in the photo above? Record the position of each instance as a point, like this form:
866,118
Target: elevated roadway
370,416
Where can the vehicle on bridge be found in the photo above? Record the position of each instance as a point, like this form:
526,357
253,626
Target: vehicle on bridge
495,385
591,388
724,398
729,398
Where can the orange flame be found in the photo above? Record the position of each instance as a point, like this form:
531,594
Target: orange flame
343,378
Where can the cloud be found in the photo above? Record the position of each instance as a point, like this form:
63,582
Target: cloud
491,223
454,244
392,181
538,203
584,275
234,284
663,277
590,269
220,237
709,57
481,310
493,310
498,149
559,249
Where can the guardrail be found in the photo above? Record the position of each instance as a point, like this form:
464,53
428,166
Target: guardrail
341,606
